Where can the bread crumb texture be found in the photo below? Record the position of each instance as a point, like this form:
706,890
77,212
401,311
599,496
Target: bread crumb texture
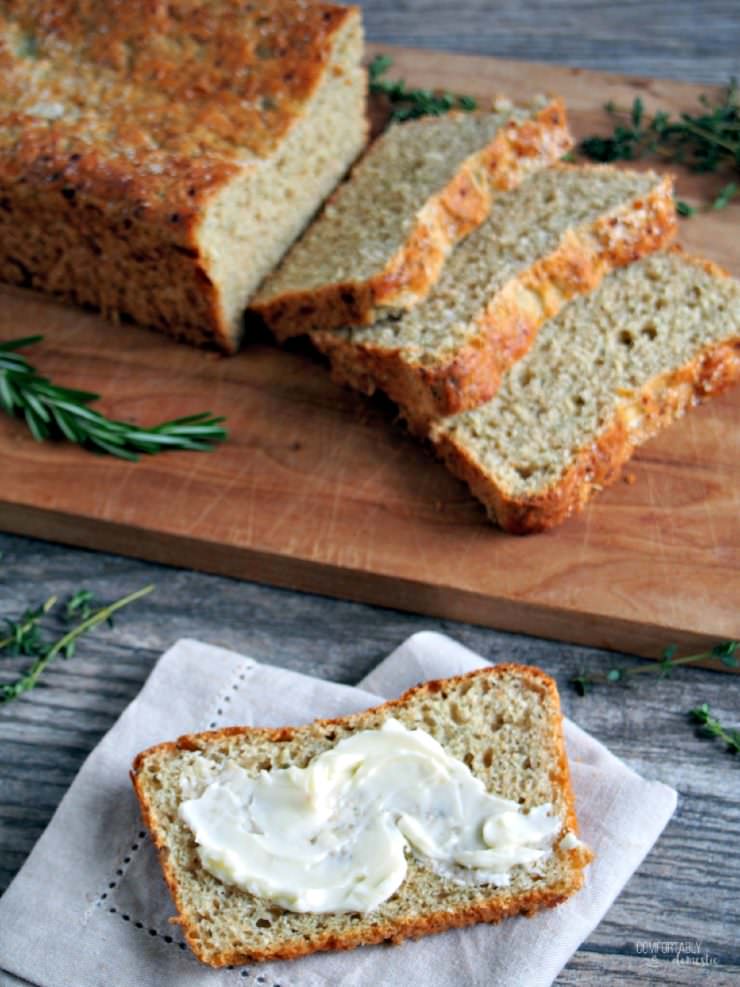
157,159
504,723
552,238
605,375
383,238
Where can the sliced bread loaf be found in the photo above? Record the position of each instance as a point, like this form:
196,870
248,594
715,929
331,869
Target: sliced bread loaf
604,376
157,159
552,238
382,239
504,723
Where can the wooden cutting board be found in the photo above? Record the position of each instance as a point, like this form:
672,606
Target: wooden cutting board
320,489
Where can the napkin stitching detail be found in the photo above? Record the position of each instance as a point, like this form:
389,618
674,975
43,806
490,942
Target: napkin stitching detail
142,836
248,666
123,866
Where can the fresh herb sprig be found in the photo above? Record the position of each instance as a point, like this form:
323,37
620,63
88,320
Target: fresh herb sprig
407,104
79,606
54,412
585,681
706,141
25,636
710,726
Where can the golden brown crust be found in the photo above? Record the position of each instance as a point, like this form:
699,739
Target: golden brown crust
88,221
527,904
447,217
494,910
659,403
187,79
457,381
145,112
193,741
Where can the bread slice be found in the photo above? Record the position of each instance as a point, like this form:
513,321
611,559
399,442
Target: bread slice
382,240
604,376
503,722
156,160
552,238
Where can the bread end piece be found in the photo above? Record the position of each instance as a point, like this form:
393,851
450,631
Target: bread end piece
504,722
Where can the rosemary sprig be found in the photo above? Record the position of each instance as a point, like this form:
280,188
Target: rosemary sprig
711,727
54,412
407,104
705,141
585,681
24,636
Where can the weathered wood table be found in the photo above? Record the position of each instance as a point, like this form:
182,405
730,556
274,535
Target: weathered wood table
688,890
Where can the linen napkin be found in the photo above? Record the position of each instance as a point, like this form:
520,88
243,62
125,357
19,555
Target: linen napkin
89,907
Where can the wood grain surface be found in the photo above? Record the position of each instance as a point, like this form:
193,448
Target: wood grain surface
693,40
688,888
319,489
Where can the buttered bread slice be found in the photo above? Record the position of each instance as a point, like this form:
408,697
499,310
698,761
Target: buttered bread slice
382,239
449,806
604,376
550,239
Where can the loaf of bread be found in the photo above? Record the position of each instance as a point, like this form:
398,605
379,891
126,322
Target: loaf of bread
553,237
504,723
157,159
382,240
605,375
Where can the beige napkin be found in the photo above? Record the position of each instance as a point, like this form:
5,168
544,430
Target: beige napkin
89,907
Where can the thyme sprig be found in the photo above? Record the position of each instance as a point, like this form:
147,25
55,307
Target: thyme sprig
586,680
25,636
710,726
408,104
706,141
54,412
80,606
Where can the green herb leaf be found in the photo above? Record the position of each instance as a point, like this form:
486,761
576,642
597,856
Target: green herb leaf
665,667
710,726
24,636
726,649
726,653
54,412
684,209
704,141
408,104
582,684
725,196
79,606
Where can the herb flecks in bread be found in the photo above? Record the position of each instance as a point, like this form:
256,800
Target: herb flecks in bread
504,723
383,238
552,238
157,160
604,376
